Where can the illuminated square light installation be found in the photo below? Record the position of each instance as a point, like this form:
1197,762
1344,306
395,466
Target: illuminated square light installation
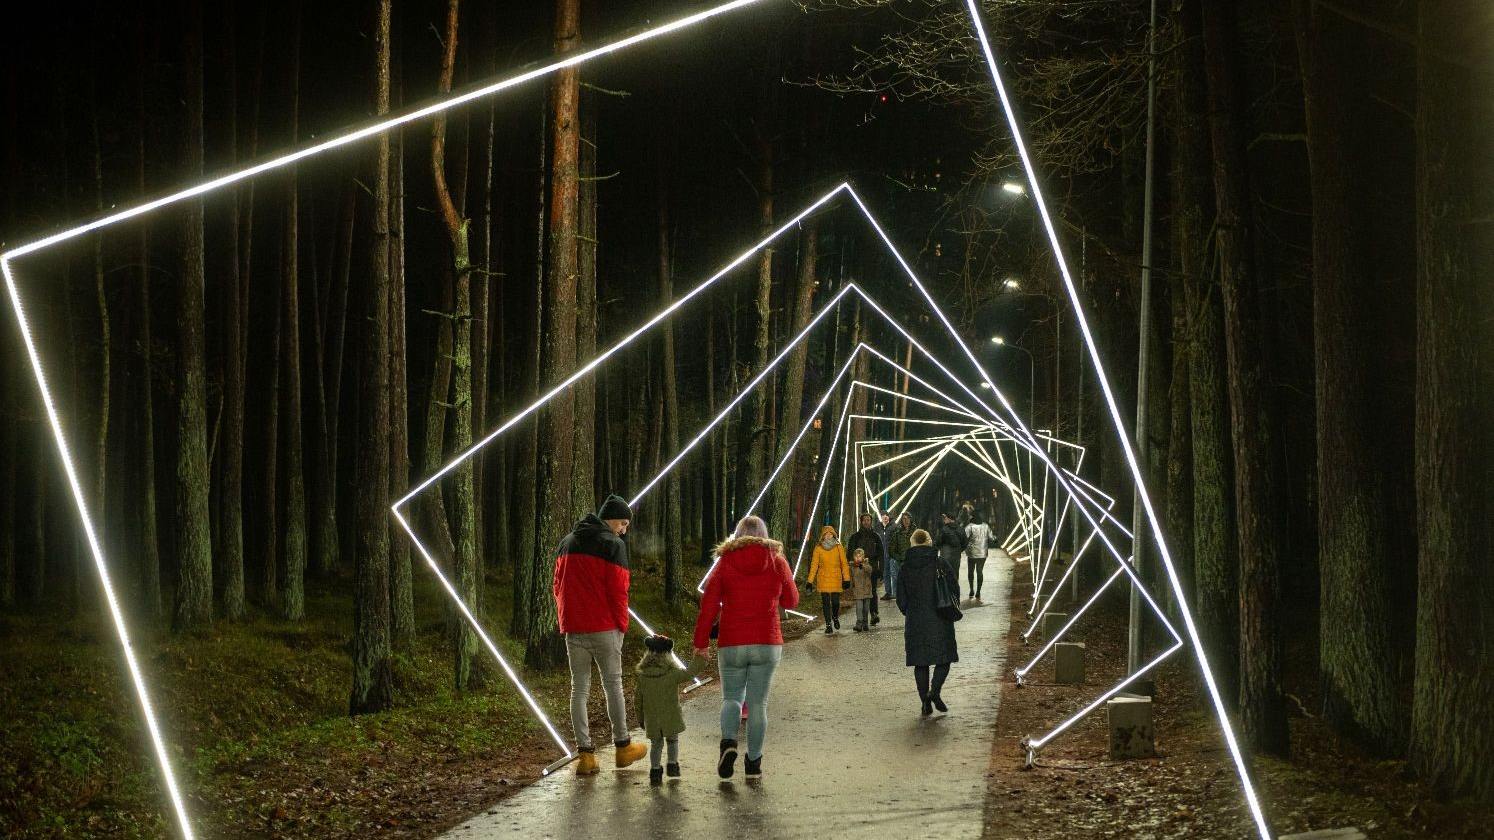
580,57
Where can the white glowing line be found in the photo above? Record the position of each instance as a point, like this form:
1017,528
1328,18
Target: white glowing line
98,553
643,625
1001,397
756,380
1068,625
482,634
594,363
1079,715
1115,416
824,475
1053,596
377,128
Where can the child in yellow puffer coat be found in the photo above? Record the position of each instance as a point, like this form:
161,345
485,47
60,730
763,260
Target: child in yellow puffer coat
830,574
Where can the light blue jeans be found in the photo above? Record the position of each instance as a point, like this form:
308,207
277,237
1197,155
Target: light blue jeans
747,674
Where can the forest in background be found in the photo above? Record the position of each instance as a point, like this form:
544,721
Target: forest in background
248,380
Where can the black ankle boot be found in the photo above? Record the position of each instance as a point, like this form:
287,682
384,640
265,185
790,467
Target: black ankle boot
927,709
753,767
726,765
938,702
673,770
656,776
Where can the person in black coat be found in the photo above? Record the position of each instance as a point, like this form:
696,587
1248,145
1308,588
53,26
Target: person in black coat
928,640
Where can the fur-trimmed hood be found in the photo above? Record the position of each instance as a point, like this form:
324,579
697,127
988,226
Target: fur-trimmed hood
750,555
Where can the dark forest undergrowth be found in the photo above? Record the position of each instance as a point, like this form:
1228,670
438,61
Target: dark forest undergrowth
1190,790
255,718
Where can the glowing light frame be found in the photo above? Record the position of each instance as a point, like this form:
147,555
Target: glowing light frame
96,550
1251,798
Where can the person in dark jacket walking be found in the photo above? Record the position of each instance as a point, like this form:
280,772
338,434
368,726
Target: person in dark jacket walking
591,603
658,697
899,538
752,582
928,640
950,542
871,545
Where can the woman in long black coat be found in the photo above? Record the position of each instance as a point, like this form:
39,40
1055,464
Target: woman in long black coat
928,640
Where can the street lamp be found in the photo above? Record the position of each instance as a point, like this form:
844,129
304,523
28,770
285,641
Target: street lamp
1014,187
1011,284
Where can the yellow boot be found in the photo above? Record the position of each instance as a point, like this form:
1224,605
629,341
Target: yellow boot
632,752
586,764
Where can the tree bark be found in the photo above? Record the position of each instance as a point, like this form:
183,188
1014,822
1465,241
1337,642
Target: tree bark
584,455
671,519
1257,454
755,446
526,457
194,592
235,357
793,383
544,647
401,575
373,681
466,564
1364,660
1450,738
293,600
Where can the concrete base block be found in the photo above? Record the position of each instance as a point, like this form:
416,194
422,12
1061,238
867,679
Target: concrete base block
1130,727
1051,624
1068,663
1328,834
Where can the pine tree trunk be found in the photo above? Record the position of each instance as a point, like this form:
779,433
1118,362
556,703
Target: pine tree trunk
1215,564
544,647
526,450
235,358
269,525
326,545
1364,660
146,545
194,592
373,683
466,565
1256,448
671,520
584,456
755,445
106,356
1451,739
401,574
793,383
293,600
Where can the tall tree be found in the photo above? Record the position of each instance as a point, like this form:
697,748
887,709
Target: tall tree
1364,661
1451,739
293,600
373,677
756,442
793,381
584,456
671,522
194,589
466,564
1260,526
1215,562
557,445
235,351
401,575
526,451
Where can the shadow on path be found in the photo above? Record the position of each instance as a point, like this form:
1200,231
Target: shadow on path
846,751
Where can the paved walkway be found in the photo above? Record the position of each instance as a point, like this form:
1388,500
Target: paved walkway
846,751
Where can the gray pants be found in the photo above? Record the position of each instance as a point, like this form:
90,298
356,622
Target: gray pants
605,649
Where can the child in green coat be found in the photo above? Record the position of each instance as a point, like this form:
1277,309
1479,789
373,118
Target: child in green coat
658,697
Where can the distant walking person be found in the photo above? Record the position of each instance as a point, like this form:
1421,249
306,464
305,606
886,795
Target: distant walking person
830,574
977,546
659,713
591,601
866,540
950,542
752,582
899,537
928,640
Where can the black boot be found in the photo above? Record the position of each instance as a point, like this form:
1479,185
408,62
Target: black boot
673,770
753,767
727,764
938,703
655,776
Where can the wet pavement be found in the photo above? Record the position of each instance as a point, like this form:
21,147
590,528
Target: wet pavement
846,751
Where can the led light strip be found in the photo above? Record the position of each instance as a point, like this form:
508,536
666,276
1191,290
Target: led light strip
1252,800
95,549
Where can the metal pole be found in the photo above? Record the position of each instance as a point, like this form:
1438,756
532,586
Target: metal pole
1143,449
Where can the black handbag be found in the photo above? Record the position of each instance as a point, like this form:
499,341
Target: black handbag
945,603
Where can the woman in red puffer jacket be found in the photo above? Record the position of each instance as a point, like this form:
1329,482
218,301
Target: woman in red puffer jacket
751,583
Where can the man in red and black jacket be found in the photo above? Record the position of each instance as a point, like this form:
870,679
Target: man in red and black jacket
591,601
